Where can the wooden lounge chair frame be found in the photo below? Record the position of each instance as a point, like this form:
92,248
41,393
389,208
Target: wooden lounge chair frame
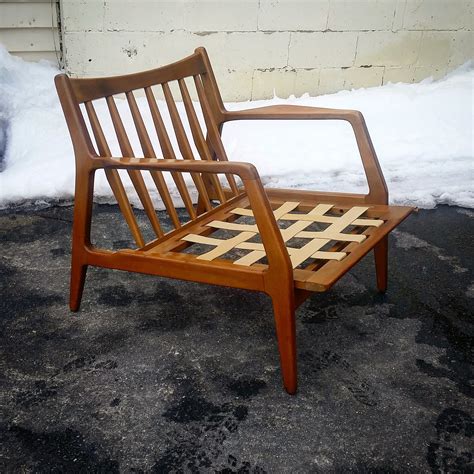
287,275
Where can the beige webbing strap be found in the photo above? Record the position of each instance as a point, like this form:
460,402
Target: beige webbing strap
225,246
287,234
201,239
334,232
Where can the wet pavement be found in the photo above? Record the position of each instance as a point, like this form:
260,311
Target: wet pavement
158,375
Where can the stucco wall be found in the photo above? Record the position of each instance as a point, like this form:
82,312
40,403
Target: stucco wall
257,46
28,28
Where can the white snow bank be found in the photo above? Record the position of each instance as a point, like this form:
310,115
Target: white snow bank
423,134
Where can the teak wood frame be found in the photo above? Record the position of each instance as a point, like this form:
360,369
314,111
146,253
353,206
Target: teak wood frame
287,287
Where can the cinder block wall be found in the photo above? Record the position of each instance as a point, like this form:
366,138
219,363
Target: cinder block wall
261,46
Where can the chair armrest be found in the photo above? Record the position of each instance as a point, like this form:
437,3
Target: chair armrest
378,192
272,240
289,112
245,171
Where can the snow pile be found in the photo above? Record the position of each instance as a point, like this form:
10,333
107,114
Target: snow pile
423,134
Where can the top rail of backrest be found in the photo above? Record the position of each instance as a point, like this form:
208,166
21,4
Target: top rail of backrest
97,88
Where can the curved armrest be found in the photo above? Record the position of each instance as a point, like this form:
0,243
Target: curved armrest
272,240
289,112
378,192
244,170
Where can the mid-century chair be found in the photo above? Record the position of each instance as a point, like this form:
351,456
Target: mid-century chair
322,234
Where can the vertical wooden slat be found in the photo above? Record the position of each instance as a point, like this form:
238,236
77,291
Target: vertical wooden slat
183,144
113,176
149,152
168,151
213,132
198,136
135,176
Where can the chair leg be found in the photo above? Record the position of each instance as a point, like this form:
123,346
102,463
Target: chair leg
381,264
80,234
284,312
78,277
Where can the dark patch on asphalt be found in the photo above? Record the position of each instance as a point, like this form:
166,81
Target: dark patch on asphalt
190,408
58,252
19,231
17,299
115,402
452,448
246,388
157,375
88,363
122,244
342,373
208,427
62,451
119,295
41,392
453,370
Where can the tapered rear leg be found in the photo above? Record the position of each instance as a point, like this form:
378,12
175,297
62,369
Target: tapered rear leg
381,264
284,312
78,277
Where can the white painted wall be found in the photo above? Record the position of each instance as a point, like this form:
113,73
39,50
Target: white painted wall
28,28
257,46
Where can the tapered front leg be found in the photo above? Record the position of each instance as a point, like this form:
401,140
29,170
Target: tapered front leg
78,277
381,264
80,235
284,312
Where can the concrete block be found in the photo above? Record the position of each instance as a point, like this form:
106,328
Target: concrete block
191,15
82,15
435,48
293,15
141,15
461,48
307,81
235,86
386,48
331,80
396,74
397,23
267,84
357,77
410,74
119,53
360,15
424,72
336,79
437,15
254,50
230,15
312,50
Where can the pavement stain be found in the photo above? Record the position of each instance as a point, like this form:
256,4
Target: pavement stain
245,387
208,426
20,299
41,392
62,451
451,448
119,295
342,374
88,363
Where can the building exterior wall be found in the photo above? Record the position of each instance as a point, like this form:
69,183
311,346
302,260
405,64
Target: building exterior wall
261,46
29,28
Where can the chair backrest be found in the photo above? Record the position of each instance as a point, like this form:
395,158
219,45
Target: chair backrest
77,97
